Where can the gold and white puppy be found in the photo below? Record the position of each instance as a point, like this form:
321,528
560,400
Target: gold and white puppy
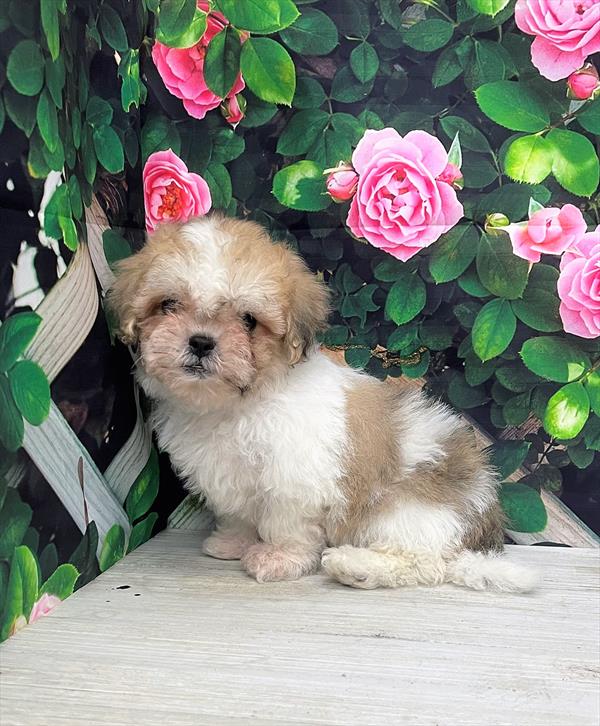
303,461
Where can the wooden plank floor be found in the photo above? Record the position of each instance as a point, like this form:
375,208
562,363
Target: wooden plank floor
169,637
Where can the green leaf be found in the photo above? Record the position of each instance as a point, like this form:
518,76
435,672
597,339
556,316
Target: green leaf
313,33
309,93
567,411
435,335
16,333
142,531
478,171
451,63
592,385
113,29
554,358
529,159
523,507
25,68
218,179
302,131
48,560
502,272
580,456
590,118
347,89
75,197
539,309
21,110
364,62
181,35
113,548
486,64
84,555
132,89
453,253
55,80
61,582
517,378
174,17
494,328
488,7
428,35
575,163
464,396
470,137
301,186
144,489
109,149
512,200
16,517
57,212
513,105
259,16
98,112
268,70
47,120
507,456
49,16
30,390
222,61
21,590
406,298
115,246
158,134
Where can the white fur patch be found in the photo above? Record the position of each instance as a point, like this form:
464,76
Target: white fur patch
413,525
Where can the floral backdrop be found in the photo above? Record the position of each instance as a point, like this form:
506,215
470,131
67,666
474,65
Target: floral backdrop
436,162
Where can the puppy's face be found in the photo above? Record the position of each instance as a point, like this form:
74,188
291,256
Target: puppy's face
216,309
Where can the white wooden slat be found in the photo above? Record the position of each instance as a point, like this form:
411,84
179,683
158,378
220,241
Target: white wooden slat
55,450
194,641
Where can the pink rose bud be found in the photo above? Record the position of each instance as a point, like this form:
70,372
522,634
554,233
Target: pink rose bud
233,109
342,183
584,83
452,175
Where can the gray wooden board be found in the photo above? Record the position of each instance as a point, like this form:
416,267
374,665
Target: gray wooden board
195,641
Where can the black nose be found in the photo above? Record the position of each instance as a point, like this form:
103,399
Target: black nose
200,345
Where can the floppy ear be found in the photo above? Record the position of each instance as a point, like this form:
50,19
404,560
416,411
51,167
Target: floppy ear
122,296
308,309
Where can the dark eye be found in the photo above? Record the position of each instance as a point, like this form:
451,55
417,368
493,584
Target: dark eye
169,305
249,321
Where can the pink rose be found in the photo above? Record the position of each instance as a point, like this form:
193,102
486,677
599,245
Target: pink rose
584,83
171,192
548,231
341,183
182,69
43,606
579,287
566,33
400,205
233,108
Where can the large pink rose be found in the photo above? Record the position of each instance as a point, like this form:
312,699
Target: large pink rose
549,231
182,69
400,205
43,606
579,287
171,192
566,33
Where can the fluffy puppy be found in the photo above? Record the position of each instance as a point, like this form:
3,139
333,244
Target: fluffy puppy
303,461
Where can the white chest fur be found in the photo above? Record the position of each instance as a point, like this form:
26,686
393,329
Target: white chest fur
284,448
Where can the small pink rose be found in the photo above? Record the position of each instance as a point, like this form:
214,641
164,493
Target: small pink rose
182,69
452,175
549,231
584,83
43,606
341,183
579,287
400,205
171,192
233,109
566,33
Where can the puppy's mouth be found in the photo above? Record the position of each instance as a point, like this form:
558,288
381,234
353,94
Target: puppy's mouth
196,370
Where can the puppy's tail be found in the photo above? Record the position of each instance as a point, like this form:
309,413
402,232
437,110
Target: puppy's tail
368,568
481,571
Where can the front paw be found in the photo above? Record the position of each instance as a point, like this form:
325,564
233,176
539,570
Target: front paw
270,563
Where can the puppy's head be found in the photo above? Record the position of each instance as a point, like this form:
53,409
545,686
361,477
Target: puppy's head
216,308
